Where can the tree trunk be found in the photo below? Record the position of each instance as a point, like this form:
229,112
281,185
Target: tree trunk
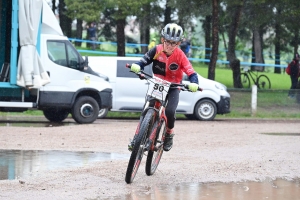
167,13
65,22
121,37
233,61
53,6
208,32
145,28
296,39
215,38
257,49
277,70
236,73
79,30
145,35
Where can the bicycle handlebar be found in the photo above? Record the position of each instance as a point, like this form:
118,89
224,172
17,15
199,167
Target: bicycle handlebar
141,74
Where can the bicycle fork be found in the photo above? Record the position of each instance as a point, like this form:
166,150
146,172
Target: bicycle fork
152,139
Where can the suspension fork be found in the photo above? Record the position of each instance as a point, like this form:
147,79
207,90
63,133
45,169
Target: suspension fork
146,107
159,115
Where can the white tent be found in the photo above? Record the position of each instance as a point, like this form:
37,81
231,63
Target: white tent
31,73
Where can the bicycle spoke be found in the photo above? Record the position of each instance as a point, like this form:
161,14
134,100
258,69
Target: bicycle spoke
245,80
263,82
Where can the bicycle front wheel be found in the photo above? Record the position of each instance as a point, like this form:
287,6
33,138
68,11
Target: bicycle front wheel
154,157
263,82
139,146
245,80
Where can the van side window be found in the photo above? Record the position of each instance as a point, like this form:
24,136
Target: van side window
57,52
124,72
62,53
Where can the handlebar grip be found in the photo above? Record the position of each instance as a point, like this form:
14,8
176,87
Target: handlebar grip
186,86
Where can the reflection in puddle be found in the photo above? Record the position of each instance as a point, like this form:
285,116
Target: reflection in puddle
21,164
270,189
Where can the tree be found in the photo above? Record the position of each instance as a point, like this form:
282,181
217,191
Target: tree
108,24
235,9
207,27
86,10
65,21
210,12
124,9
53,6
167,13
215,38
149,17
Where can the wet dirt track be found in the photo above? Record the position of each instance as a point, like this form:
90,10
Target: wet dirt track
205,153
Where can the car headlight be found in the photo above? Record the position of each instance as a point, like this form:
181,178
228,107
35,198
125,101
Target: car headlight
220,86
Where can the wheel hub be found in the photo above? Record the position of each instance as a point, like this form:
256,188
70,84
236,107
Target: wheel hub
205,110
86,110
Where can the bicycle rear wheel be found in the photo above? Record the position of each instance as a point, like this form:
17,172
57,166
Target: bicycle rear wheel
245,80
139,146
154,157
263,82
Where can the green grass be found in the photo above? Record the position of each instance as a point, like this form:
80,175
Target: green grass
224,75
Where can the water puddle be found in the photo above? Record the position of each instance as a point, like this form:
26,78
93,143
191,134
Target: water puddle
269,189
282,134
15,164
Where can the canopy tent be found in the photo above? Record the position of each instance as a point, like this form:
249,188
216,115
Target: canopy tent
31,73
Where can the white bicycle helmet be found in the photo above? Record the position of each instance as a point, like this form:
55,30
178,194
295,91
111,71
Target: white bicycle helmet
172,32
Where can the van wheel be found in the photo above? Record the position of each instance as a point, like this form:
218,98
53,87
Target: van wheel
205,110
85,110
54,115
102,113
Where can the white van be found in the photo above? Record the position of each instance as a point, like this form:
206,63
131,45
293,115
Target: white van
129,91
42,70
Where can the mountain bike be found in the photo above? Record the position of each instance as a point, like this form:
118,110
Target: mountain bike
150,133
262,81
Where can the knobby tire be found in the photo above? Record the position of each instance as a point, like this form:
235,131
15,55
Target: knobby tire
138,149
154,157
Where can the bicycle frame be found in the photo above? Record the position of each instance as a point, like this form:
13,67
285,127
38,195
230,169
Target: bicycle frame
252,74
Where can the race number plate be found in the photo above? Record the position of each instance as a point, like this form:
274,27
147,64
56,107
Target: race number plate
158,88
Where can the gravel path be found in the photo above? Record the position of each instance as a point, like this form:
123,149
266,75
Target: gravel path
225,150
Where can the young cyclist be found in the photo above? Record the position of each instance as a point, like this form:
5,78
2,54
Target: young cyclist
168,63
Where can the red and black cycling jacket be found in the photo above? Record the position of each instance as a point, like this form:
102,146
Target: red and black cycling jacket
169,68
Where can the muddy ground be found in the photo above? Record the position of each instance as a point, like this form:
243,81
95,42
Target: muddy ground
226,150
